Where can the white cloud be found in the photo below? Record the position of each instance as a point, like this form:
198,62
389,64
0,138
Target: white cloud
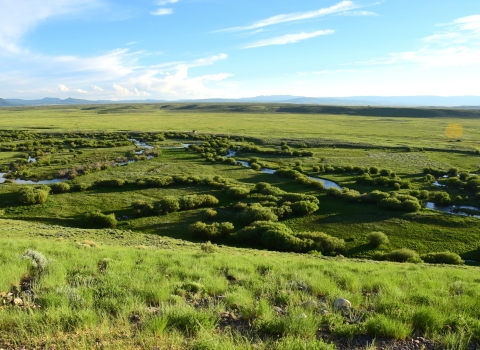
458,44
18,17
124,92
336,71
358,13
97,88
341,6
165,2
80,91
63,88
162,12
288,39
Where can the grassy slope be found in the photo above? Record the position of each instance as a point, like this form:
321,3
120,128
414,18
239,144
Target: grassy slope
140,291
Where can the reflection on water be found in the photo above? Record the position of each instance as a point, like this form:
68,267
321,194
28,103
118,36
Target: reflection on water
461,210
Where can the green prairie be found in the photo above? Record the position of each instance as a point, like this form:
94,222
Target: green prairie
151,280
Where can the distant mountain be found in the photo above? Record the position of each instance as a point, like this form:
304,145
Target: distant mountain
361,101
5,102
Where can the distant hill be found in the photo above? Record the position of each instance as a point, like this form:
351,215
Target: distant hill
360,101
5,102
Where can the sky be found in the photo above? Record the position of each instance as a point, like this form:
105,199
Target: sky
194,49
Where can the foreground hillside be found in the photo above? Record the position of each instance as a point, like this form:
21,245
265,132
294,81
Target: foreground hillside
113,289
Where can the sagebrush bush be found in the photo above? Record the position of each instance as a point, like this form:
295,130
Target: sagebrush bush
39,261
376,239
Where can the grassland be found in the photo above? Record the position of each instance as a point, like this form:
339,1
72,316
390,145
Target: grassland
118,289
151,283
257,121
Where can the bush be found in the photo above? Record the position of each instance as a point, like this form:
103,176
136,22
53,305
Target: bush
255,166
168,204
197,201
97,219
39,261
60,187
256,213
115,183
403,255
237,192
211,213
376,239
304,208
324,243
30,195
442,198
385,172
274,236
213,231
443,258
373,170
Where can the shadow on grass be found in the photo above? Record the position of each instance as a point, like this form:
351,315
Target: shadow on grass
360,250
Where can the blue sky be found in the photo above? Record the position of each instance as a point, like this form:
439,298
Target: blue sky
176,49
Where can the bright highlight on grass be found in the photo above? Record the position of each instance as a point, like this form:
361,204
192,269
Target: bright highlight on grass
454,130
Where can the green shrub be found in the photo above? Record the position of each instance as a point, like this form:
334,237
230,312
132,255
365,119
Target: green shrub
30,195
100,220
324,243
304,208
256,213
385,172
255,166
168,204
197,201
442,198
373,170
376,239
211,213
403,255
443,258
212,231
237,192
115,183
60,187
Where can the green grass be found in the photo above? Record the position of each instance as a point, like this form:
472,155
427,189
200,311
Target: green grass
259,122
170,293
148,283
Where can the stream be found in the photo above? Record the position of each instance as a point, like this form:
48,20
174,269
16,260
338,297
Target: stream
452,209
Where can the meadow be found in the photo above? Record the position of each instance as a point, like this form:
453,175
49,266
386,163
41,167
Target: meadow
131,194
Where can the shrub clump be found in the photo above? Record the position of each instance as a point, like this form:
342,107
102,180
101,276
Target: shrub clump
256,213
211,231
403,255
100,220
30,195
277,236
376,239
443,258
60,187
39,261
